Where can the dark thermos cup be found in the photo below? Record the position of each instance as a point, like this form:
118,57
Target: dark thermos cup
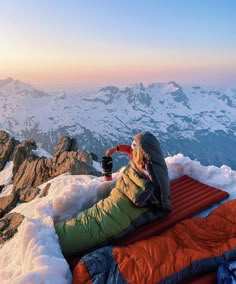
107,167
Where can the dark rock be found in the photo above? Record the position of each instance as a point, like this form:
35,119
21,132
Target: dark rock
9,225
2,212
94,156
1,187
45,190
4,223
7,147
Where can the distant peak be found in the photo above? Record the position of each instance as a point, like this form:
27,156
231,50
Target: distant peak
6,81
109,89
173,83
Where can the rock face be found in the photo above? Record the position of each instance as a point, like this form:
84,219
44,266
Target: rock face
30,171
7,148
65,144
23,152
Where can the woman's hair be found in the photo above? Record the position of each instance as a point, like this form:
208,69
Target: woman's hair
148,144
138,158
138,155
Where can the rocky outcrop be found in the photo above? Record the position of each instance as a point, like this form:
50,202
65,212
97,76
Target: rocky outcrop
32,172
65,144
7,203
23,152
9,225
7,148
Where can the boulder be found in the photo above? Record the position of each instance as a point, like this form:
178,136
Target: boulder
45,190
9,225
28,194
7,203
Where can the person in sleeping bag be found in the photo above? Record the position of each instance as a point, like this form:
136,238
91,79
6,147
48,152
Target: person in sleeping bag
141,195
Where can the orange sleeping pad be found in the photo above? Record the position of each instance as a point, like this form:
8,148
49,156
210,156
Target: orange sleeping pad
188,197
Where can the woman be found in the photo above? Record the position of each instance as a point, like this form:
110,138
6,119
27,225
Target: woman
141,194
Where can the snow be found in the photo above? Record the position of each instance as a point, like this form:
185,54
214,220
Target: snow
33,255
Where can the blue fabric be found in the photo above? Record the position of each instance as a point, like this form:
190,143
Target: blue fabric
102,267
200,267
226,273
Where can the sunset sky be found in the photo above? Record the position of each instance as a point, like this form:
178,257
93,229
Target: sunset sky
118,42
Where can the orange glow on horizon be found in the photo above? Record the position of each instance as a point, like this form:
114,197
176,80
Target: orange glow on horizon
95,70
105,75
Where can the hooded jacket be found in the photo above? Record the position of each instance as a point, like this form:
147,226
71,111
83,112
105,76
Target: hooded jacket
109,218
156,167
157,193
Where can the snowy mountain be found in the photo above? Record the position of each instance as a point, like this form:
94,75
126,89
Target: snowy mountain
195,121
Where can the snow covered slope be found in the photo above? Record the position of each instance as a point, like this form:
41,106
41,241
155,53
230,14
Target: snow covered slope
198,122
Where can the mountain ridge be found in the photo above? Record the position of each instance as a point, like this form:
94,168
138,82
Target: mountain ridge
195,121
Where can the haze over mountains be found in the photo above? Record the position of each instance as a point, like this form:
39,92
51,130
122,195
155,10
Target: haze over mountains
195,121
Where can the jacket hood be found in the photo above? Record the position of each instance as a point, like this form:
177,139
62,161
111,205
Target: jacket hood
150,147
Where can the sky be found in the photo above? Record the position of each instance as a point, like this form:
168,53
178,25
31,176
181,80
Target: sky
101,42
33,255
